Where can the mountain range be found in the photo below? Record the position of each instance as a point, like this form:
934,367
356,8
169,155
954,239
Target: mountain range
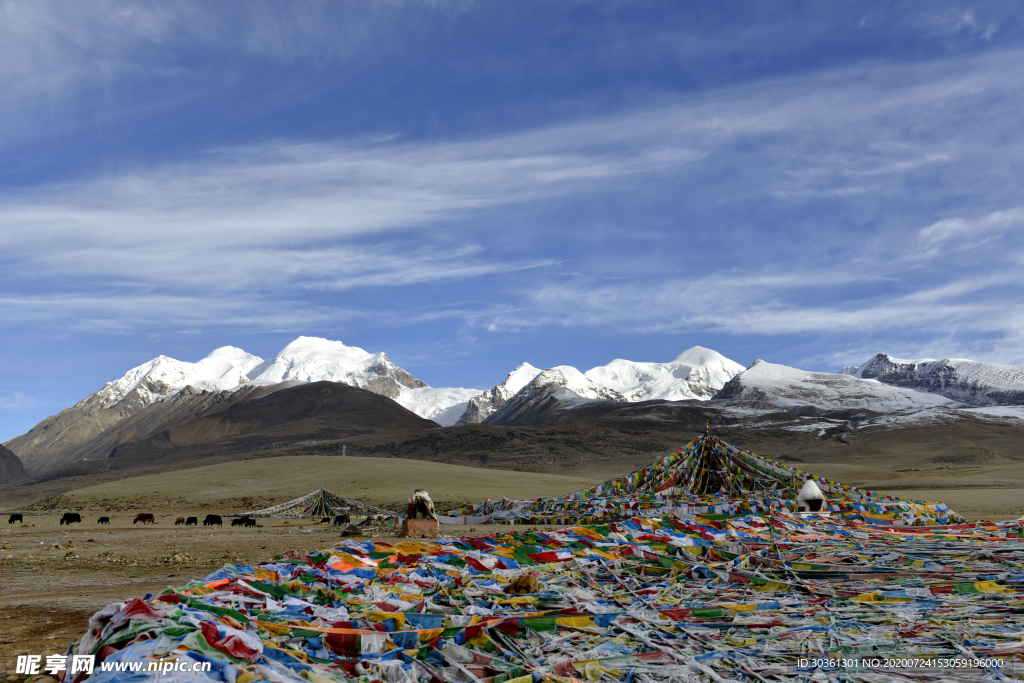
158,399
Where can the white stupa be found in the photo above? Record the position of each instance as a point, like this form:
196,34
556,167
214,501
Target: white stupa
810,499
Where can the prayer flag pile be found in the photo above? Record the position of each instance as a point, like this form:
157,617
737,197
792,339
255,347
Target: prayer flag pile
754,597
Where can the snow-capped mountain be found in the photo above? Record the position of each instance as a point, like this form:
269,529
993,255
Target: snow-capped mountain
696,373
484,405
799,390
558,387
225,368
58,438
312,359
164,392
967,381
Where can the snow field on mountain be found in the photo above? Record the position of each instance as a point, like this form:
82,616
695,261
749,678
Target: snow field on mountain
697,373
790,388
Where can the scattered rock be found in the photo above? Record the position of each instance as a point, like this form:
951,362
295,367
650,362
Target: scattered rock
7,546
177,558
111,556
71,555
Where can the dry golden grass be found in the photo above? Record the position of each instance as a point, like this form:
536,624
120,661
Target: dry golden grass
268,481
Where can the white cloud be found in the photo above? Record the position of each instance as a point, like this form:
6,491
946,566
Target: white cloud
237,234
15,401
965,234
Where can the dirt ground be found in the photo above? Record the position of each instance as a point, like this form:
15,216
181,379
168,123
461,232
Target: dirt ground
53,578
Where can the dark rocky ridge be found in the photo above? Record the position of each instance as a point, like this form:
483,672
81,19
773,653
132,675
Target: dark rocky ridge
971,382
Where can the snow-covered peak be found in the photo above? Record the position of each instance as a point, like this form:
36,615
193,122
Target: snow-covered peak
697,373
224,368
575,381
313,359
696,356
517,379
484,404
559,387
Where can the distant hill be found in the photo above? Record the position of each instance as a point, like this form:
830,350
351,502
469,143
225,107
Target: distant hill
596,438
322,396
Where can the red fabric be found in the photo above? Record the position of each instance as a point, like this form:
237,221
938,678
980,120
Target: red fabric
509,626
676,614
564,668
343,643
477,564
473,631
549,556
138,610
231,645
242,588
654,657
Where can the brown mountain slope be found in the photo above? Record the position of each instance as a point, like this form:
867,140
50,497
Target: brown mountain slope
600,441
11,468
88,430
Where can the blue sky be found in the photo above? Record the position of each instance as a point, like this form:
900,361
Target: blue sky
470,185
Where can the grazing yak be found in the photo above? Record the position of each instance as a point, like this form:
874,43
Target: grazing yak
243,521
179,521
103,520
16,517
145,518
70,518
343,519
212,519
192,521
325,520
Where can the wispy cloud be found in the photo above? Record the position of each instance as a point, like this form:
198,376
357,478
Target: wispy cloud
960,295
15,401
812,206
963,234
